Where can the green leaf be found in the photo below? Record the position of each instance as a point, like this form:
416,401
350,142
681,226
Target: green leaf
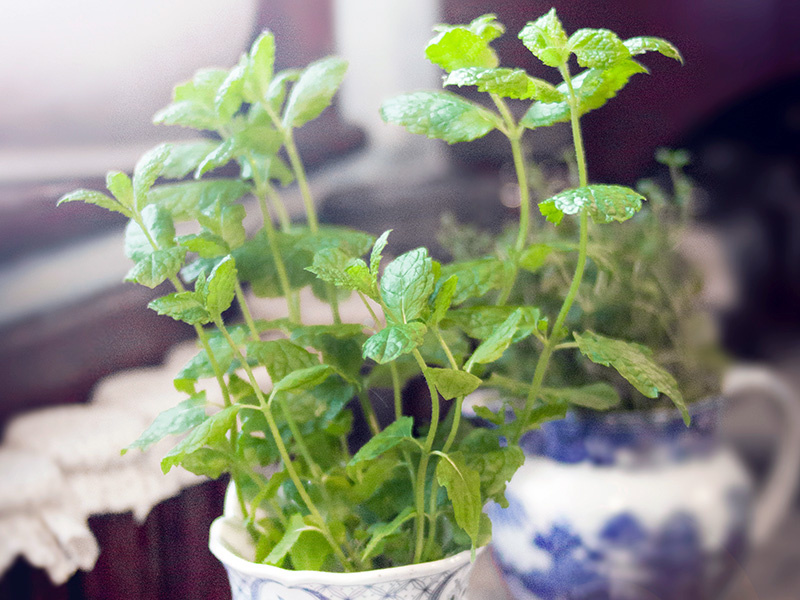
276,93
182,306
634,362
225,221
508,83
406,284
206,244
460,46
605,203
303,379
147,170
439,115
187,114
593,88
159,228
311,550
295,527
476,278
546,39
281,357
443,299
217,157
597,47
642,44
186,200
155,268
120,185
463,486
534,257
209,432
393,341
334,266
399,431
260,67
207,462
377,252
229,98
221,286
96,198
173,421
453,384
597,396
494,346
184,158
380,531
480,322
314,91
494,463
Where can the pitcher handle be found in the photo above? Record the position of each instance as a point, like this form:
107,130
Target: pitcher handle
776,496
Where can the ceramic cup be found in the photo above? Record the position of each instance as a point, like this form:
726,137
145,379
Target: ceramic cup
634,505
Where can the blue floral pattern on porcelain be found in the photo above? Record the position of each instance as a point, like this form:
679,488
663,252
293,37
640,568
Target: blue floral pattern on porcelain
624,506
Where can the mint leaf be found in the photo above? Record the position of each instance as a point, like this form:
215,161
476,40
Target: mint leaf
182,306
508,83
534,257
399,431
480,322
546,39
597,396
160,230
494,463
593,88
597,47
406,284
173,421
476,278
185,201
642,44
453,384
209,432
444,298
314,91
184,158
228,98
460,46
377,252
217,157
634,362
155,268
225,221
303,379
605,203
336,267
260,64
276,93
120,185
393,341
494,346
350,241
380,531
96,198
146,172
221,287
281,357
439,115
463,485
294,528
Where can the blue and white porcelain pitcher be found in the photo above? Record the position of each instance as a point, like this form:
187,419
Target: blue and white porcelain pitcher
635,506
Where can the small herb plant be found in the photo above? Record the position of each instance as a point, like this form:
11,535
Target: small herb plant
415,490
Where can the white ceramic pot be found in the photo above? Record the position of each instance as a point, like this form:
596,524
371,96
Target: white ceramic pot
444,579
626,506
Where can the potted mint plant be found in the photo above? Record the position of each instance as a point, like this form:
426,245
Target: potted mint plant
610,504
308,512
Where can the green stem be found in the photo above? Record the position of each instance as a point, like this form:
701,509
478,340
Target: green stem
277,204
370,309
557,334
422,469
302,180
459,401
248,317
283,451
301,442
272,239
398,393
369,414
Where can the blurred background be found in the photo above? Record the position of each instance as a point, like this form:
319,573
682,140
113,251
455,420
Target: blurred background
81,81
